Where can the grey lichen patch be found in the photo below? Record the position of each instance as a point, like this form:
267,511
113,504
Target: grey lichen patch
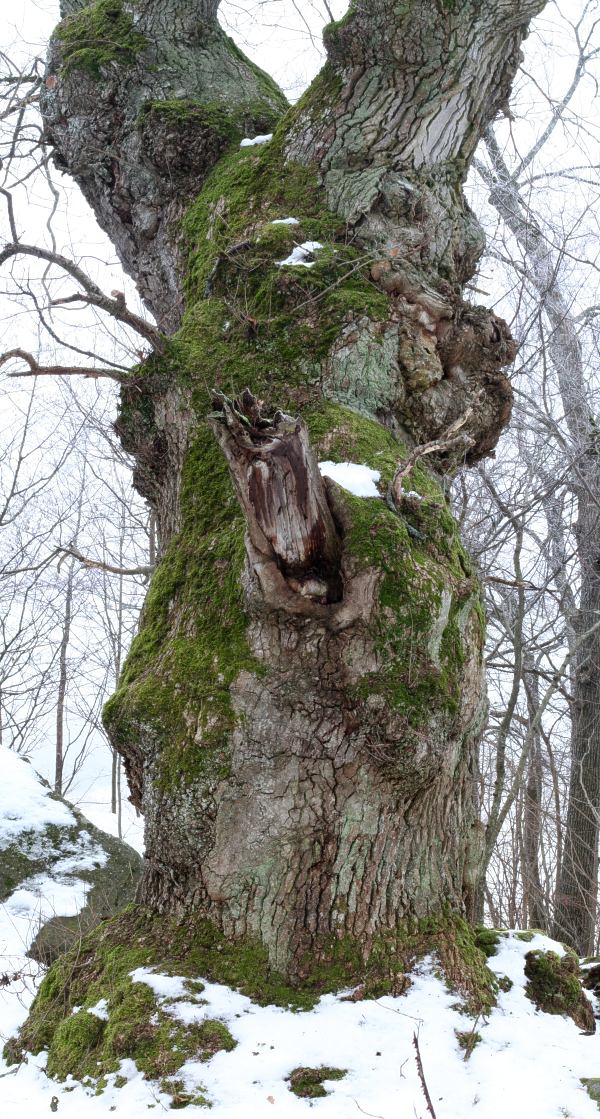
362,369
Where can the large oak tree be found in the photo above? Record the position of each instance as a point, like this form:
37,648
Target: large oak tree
299,713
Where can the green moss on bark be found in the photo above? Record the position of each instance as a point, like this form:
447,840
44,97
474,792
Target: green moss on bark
230,123
97,35
192,641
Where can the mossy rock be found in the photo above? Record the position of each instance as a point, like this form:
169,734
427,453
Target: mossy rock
307,1083
554,986
71,853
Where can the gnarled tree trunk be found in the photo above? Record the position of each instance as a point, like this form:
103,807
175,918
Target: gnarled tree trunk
299,713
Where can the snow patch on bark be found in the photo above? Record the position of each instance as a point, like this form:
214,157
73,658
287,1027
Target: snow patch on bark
252,142
359,480
299,256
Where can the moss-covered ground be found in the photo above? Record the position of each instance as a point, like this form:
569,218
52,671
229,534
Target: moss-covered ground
87,1046
554,986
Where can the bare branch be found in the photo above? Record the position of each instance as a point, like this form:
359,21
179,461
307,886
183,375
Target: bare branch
37,370
93,294
100,565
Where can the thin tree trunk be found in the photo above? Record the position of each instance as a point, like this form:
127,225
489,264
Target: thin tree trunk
61,692
299,713
535,909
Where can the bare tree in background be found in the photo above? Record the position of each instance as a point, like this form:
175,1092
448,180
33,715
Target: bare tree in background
554,517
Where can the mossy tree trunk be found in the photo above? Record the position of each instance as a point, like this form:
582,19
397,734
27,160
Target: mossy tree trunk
300,710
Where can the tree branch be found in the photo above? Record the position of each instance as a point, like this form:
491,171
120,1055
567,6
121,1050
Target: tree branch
93,294
100,565
450,438
37,370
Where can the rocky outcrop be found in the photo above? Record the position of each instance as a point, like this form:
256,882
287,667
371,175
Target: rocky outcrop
59,875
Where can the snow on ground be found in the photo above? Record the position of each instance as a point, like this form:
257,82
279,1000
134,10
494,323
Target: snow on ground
359,480
285,221
528,1065
25,798
132,824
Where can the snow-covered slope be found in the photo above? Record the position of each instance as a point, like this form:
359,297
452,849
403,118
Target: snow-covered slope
58,875
526,1065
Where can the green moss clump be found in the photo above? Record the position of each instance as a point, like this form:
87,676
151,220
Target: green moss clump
488,939
96,35
88,1047
467,1040
592,1087
307,1083
527,935
554,986
74,1044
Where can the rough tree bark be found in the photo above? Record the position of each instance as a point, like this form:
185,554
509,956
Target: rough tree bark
299,713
